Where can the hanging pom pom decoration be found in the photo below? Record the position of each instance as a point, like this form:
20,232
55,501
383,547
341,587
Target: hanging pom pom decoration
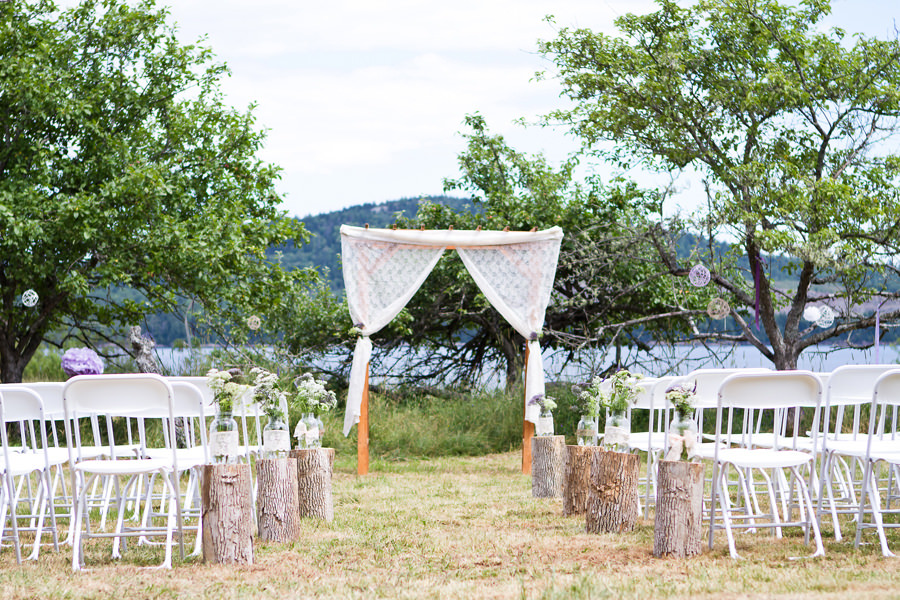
812,313
254,322
826,318
699,276
718,308
29,298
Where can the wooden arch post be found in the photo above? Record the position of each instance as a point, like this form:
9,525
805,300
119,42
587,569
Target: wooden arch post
362,431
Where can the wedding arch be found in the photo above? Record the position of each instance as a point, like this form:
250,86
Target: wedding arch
383,269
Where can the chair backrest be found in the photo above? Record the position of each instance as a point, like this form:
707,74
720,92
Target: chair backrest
21,405
134,395
709,380
774,392
853,384
773,389
849,386
201,383
885,393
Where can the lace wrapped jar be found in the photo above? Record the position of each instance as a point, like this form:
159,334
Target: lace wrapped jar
544,425
276,438
309,432
683,437
616,431
586,431
223,438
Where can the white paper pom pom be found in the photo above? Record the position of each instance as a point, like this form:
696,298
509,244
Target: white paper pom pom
699,276
826,318
812,313
717,308
29,298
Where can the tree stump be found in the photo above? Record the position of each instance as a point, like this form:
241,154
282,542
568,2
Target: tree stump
613,495
679,509
227,514
577,478
548,457
314,469
277,501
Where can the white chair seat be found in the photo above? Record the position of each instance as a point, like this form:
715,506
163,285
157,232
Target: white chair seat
124,467
642,440
187,457
857,448
767,440
763,457
23,464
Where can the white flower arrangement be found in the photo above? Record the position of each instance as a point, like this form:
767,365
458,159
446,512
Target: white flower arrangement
227,386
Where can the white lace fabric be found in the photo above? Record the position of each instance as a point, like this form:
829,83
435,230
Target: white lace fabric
383,268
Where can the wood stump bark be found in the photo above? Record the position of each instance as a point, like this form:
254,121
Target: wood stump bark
227,514
679,509
314,469
613,495
277,499
548,457
577,478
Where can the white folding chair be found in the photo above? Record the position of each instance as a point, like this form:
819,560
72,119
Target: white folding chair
133,396
882,447
23,407
192,451
849,390
772,393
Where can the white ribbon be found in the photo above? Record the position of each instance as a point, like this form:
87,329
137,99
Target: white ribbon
678,443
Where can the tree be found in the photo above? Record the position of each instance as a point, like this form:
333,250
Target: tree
127,186
603,272
785,126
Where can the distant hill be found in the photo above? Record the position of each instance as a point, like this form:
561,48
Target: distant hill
324,248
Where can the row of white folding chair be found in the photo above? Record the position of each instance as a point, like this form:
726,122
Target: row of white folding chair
780,465
24,408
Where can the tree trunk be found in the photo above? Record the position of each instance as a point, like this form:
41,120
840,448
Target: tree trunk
227,514
679,509
577,478
314,469
277,501
613,497
548,455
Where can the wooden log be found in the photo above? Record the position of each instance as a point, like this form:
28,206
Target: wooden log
314,469
548,456
679,509
227,514
577,478
613,495
277,500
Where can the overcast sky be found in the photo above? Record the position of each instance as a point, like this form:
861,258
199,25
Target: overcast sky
364,100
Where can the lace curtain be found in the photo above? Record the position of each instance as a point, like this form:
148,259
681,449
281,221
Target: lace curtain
380,278
517,280
383,268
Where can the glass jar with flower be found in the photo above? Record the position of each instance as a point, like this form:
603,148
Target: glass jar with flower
683,432
617,393
227,387
588,406
312,399
273,402
544,425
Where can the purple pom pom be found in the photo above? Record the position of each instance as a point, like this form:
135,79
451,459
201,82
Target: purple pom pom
81,361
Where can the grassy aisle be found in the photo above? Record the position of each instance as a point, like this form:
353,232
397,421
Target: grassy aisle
464,528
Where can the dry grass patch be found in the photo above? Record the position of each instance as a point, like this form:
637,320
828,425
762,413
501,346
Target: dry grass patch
463,528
